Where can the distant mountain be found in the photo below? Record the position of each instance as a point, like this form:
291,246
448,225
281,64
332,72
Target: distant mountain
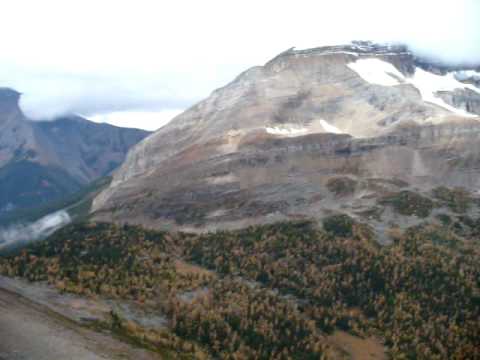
42,161
311,132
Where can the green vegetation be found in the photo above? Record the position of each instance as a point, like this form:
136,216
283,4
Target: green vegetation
164,342
341,186
409,203
276,291
373,213
457,200
77,203
339,225
17,179
131,263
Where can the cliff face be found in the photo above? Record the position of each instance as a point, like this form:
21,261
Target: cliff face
15,133
42,161
266,146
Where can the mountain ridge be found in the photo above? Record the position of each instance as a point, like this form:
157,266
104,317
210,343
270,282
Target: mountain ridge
42,161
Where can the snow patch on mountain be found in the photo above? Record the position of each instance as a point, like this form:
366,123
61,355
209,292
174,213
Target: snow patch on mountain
329,128
286,130
315,127
429,84
376,71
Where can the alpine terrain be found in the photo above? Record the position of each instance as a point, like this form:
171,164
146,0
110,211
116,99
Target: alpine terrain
312,132
322,206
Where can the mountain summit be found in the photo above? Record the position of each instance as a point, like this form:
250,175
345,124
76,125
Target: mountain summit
42,161
309,133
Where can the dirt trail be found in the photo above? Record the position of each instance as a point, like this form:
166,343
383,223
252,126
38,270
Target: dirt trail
32,331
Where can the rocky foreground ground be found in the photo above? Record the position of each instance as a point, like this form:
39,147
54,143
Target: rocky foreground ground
30,330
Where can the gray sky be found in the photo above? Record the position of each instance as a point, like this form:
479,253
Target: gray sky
139,63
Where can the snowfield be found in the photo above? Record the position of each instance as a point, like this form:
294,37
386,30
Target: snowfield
287,131
330,128
376,71
291,130
428,84
379,72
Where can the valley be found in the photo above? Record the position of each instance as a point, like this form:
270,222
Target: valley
286,289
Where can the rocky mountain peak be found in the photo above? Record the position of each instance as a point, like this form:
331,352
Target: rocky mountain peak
262,147
387,51
9,95
9,99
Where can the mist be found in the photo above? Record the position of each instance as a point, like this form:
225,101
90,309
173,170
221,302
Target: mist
160,58
37,230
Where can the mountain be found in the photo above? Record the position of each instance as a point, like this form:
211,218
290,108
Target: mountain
355,129
42,161
365,160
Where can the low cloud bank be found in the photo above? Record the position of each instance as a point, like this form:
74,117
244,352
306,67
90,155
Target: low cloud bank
167,58
37,230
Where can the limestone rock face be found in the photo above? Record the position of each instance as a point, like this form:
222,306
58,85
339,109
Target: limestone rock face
264,147
465,99
14,130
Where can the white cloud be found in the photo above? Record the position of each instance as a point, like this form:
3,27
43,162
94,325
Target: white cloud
36,230
138,119
108,56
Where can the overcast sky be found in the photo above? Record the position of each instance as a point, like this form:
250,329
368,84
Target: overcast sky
139,63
